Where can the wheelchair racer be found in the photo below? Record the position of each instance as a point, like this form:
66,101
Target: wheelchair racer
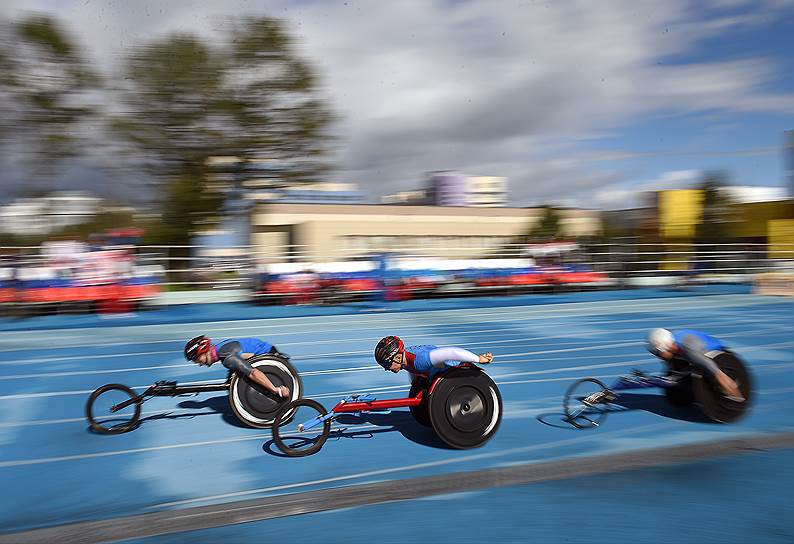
232,353
423,361
696,348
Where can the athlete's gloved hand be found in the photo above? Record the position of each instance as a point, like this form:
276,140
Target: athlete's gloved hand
282,391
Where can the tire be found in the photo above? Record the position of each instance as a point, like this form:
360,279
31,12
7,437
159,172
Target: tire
714,404
465,408
97,409
283,431
578,414
680,394
251,403
421,413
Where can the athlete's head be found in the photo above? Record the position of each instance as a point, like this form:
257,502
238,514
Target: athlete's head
199,350
389,353
661,342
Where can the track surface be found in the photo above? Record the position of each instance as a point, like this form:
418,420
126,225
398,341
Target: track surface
191,452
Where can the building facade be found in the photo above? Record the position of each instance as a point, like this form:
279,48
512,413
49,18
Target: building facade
51,213
448,188
317,232
488,191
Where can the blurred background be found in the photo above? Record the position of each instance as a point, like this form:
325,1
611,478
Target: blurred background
320,174
320,153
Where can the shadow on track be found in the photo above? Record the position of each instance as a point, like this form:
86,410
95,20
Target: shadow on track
658,404
655,404
218,405
397,421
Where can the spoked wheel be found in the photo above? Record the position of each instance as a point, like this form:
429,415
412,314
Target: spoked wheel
465,408
112,409
715,405
289,434
252,403
585,403
421,413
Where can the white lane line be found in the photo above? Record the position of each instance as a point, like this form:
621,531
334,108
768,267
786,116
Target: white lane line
514,320
90,372
404,387
533,336
700,303
430,464
82,456
498,378
501,356
36,361
5,464
31,361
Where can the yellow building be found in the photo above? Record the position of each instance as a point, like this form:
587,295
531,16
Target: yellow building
780,235
680,211
750,221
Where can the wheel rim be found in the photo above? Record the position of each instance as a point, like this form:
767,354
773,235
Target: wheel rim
465,409
290,438
103,419
257,406
715,405
580,410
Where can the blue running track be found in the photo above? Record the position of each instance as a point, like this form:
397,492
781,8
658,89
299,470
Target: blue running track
192,451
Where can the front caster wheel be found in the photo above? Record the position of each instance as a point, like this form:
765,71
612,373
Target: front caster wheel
113,409
585,403
290,434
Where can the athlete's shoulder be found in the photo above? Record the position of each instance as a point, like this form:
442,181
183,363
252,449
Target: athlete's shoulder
421,347
256,346
228,347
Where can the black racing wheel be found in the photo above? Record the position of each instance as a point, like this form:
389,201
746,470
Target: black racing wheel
681,393
585,403
113,408
465,407
715,405
421,412
252,403
288,433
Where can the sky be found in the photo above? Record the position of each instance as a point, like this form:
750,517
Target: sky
575,102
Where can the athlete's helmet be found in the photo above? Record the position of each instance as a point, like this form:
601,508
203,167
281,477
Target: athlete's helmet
386,349
196,346
660,340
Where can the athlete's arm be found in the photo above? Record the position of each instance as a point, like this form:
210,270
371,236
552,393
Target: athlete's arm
230,356
261,379
439,356
692,349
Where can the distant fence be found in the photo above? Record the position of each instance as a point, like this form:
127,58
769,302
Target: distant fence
118,278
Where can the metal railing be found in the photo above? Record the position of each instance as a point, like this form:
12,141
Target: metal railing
245,267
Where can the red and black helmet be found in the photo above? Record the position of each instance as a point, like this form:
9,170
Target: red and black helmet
196,346
386,349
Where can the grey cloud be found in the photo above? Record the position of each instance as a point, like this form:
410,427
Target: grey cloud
482,87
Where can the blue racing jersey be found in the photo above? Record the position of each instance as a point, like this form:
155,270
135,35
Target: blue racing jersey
230,353
255,346
705,342
426,363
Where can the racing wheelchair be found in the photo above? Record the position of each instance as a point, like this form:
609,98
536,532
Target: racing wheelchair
587,401
463,406
115,408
